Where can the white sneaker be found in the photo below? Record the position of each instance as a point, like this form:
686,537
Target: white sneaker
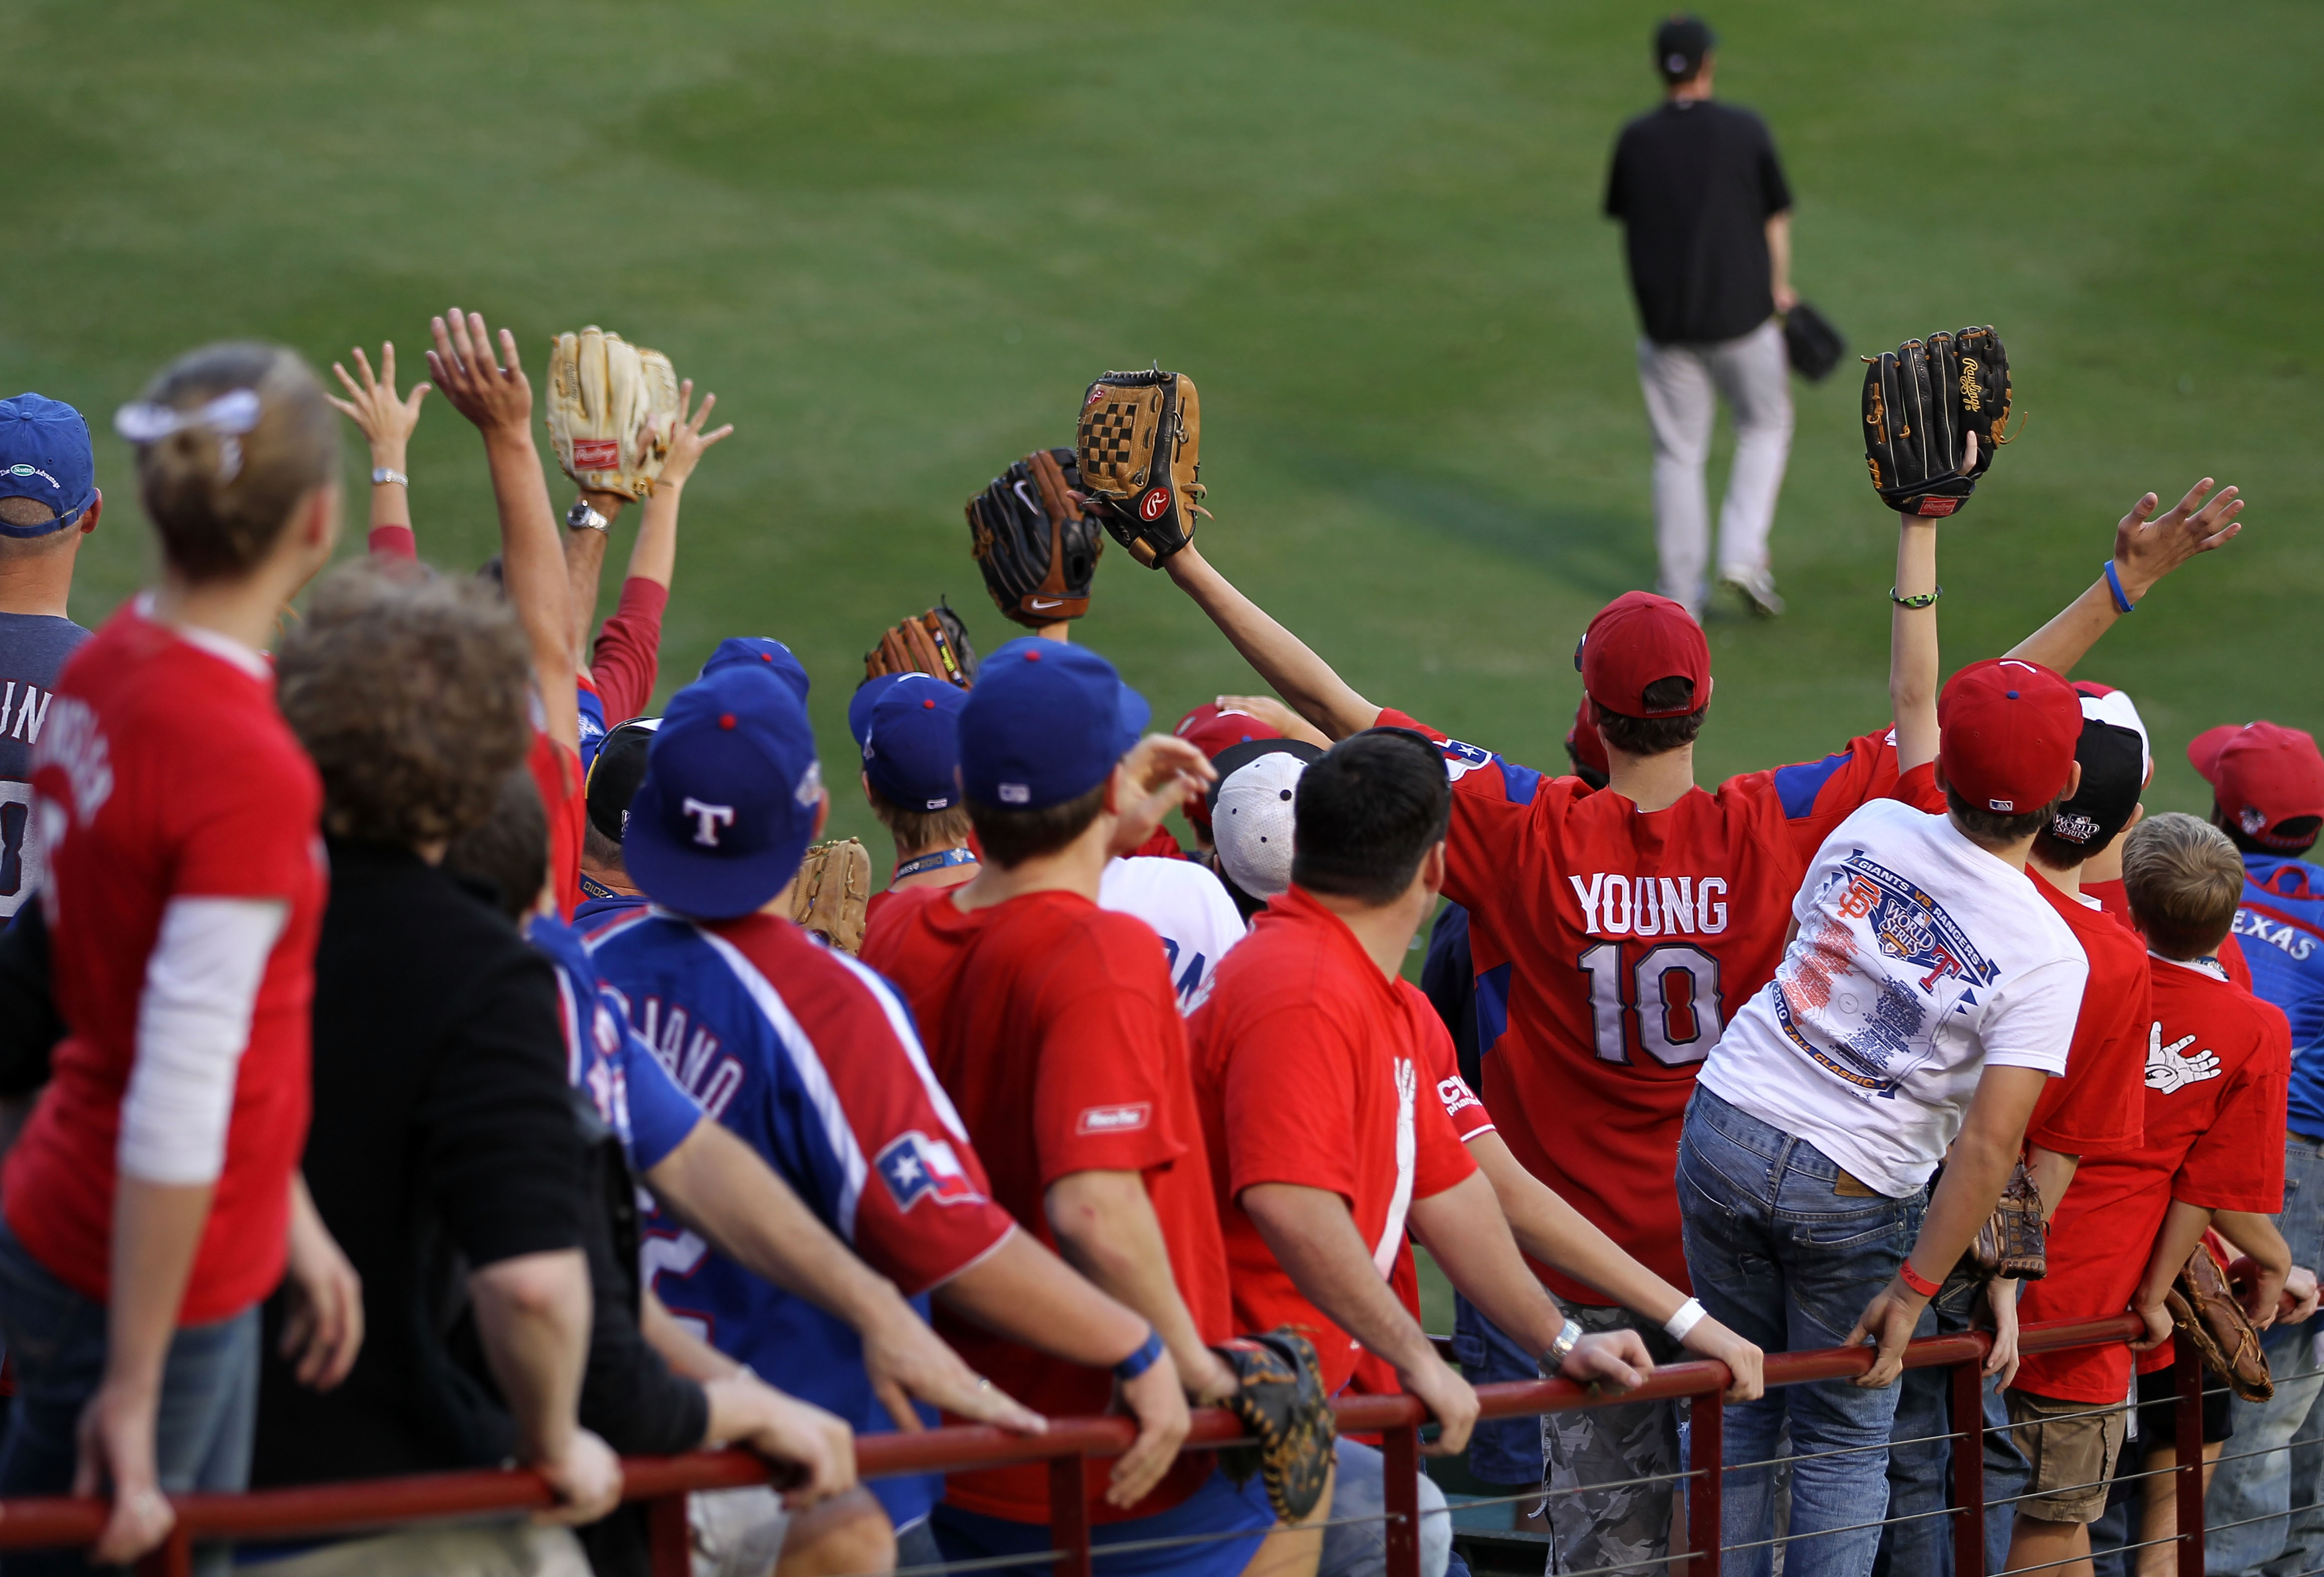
1758,589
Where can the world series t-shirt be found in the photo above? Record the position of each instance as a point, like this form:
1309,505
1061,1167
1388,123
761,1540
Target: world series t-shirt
1921,961
1054,1026
2217,1063
1609,946
32,652
1314,1068
136,814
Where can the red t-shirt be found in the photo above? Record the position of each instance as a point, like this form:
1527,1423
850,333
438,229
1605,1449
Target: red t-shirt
2099,1105
129,766
565,795
2113,899
1053,1025
2217,1062
1609,944
1313,1067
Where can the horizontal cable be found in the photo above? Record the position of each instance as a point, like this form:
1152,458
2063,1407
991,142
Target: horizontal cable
2070,1560
982,1563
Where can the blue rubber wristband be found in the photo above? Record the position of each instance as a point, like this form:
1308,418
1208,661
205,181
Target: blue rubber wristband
1139,1361
2122,603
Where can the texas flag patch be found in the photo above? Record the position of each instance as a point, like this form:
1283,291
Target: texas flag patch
915,1167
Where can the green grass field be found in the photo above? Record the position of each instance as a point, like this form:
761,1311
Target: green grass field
896,238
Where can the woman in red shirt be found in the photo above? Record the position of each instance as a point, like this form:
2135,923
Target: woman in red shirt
149,1203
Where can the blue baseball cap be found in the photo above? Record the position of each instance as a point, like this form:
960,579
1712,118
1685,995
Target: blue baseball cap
45,454
1045,723
911,751
867,695
761,651
728,804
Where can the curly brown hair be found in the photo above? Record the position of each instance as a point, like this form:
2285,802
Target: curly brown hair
408,690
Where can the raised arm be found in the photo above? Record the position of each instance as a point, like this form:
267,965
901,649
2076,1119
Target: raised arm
1294,673
386,422
494,394
1913,660
654,555
2146,550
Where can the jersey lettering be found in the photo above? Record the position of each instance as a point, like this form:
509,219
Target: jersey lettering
2284,936
1675,1028
76,745
1615,905
694,1061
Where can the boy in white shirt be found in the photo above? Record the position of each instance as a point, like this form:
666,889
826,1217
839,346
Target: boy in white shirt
1927,995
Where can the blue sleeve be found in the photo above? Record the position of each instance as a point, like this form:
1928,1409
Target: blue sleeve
661,1114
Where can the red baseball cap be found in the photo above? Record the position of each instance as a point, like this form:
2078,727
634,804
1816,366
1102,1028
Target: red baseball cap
2262,775
2006,732
1210,730
1583,743
1636,640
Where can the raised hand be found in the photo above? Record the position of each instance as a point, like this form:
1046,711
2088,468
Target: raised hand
1164,771
687,442
490,392
371,405
2147,547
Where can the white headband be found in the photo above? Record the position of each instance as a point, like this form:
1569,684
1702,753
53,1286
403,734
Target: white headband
230,415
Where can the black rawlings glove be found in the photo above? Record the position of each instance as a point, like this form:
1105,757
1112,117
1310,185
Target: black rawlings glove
1036,548
1920,401
1139,445
1279,1397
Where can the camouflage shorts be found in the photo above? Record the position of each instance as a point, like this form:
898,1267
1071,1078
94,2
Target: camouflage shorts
1628,1528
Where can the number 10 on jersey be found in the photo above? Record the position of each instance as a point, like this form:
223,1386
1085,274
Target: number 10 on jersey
1672,998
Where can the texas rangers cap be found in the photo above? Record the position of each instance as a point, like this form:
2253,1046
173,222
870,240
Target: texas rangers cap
1583,744
911,744
2006,733
1045,724
2262,775
45,455
1211,728
763,651
1252,807
730,796
1680,45
615,776
1636,640
2112,752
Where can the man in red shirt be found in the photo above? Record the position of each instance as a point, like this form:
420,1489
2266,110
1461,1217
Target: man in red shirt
2216,1064
1329,1132
1054,1026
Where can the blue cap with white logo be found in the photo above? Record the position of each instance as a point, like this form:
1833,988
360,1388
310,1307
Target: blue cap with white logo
45,455
759,651
729,801
911,746
1045,724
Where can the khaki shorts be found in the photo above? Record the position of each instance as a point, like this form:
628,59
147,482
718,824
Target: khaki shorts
2073,1447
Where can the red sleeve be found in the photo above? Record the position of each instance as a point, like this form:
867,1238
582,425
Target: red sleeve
557,773
1111,1040
628,654
1290,1105
1461,1104
1162,846
1818,796
1440,1159
1918,789
250,832
2099,1106
393,543
2237,1162
2231,959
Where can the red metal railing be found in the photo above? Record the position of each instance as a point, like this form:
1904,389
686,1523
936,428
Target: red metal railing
663,1482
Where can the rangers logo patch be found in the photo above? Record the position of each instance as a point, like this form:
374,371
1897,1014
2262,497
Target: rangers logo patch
915,1167
597,453
1461,760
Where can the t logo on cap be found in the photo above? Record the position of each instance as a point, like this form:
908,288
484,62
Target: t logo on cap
707,820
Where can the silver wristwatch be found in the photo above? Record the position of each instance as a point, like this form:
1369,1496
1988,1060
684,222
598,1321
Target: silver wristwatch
382,475
1567,1340
584,517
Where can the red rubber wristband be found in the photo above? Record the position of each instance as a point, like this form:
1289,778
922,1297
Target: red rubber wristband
1915,1281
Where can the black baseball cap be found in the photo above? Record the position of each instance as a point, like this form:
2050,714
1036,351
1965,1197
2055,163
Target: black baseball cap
1680,45
2113,753
615,776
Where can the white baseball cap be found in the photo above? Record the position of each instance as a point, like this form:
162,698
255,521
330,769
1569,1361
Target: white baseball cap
1252,821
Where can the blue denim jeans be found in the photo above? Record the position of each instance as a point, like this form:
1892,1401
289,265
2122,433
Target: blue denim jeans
1920,1469
1783,1258
1358,1546
202,1434
2283,1485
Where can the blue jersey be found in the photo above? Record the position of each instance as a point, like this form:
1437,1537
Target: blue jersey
811,1059
599,904
606,1060
2280,922
592,707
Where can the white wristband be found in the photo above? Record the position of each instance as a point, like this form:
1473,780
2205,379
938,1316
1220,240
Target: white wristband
1690,1314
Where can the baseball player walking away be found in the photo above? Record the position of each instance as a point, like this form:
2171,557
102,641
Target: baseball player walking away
1708,220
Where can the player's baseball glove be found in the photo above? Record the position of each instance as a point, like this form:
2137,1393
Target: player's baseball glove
613,407
1036,547
2015,1241
835,885
935,643
1140,444
2202,1305
1921,401
1281,1402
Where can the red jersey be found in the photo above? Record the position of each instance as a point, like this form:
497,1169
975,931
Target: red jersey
1055,1028
565,795
128,772
2116,902
2218,1063
1313,1067
1607,944
627,656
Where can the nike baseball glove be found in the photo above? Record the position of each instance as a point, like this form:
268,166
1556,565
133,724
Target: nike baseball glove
1139,445
834,886
2202,1305
1036,547
613,407
1279,1397
1921,402
935,643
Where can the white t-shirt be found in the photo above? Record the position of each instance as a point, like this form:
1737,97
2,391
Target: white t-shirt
1186,906
1920,960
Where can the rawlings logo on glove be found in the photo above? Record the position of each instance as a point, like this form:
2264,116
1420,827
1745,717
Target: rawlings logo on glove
1922,402
1139,449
